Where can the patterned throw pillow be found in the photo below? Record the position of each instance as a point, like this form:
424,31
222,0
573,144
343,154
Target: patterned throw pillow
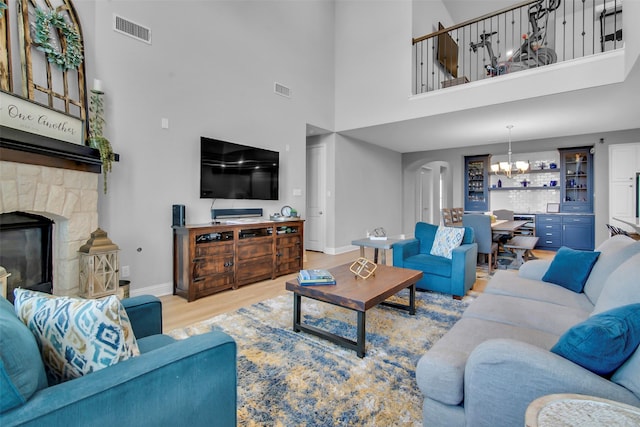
76,336
446,240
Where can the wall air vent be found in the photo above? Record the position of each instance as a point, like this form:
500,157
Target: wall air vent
282,90
131,29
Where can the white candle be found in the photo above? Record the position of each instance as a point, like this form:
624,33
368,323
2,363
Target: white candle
97,85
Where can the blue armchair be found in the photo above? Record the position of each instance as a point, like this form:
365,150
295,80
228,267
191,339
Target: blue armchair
453,276
188,382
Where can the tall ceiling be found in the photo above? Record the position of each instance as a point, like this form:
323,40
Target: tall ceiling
570,113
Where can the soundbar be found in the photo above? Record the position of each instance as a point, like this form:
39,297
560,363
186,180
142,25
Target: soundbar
217,214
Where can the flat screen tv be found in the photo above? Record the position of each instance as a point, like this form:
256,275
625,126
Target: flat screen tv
234,171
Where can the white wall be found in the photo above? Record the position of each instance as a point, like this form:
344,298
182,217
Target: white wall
210,71
368,180
373,60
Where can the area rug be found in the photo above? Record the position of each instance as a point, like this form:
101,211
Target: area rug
296,379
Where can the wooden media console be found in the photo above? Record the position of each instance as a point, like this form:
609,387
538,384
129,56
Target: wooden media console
211,258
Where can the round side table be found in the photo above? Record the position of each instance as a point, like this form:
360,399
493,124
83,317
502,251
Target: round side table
556,410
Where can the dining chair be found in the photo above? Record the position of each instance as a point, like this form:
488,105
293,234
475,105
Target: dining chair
481,225
456,214
447,217
502,237
503,214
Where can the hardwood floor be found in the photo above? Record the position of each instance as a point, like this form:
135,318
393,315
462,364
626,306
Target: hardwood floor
178,313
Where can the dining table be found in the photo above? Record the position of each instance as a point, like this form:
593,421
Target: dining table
504,230
507,226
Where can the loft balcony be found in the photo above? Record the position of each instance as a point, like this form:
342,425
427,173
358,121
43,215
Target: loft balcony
526,36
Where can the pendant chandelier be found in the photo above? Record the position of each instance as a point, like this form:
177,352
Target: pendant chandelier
506,168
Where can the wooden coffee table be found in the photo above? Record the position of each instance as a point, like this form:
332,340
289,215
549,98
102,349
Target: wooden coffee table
355,294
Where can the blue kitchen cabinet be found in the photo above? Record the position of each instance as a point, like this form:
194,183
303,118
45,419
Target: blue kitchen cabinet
576,180
476,183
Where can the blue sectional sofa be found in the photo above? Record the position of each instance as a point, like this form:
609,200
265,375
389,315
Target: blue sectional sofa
497,359
191,382
453,276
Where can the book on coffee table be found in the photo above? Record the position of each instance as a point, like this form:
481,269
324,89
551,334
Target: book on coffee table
316,277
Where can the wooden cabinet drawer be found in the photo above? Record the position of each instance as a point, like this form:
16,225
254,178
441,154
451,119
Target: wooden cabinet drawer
288,266
213,249
255,248
288,240
212,284
254,270
205,267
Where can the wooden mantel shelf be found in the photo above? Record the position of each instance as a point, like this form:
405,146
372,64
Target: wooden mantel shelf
24,147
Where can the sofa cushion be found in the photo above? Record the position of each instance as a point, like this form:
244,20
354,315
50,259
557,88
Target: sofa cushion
603,342
437,265
622,287
76,336
21,369
570,268
446,240
613,252
512,283
527,313
628,375
440,371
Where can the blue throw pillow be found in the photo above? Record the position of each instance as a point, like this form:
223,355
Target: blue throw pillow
570,268
604,341
21,368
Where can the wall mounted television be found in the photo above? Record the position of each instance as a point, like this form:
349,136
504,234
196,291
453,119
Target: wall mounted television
235,171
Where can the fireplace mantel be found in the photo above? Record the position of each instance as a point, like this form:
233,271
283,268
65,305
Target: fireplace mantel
24,147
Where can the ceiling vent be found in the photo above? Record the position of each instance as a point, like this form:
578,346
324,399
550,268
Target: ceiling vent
131,29
282,90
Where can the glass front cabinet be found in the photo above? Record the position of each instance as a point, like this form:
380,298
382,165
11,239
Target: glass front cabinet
576,168
476,183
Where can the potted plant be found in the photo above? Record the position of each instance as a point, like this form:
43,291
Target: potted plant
96,138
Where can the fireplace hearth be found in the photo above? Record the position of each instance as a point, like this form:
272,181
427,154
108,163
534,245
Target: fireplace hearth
58,181
26,251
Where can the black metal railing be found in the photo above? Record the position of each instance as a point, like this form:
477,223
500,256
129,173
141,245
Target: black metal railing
527,35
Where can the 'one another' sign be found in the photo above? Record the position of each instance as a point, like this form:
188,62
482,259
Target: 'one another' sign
22,114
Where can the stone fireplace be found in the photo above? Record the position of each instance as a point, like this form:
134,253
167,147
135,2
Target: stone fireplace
59,181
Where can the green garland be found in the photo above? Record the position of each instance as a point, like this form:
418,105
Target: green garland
71,58
96,138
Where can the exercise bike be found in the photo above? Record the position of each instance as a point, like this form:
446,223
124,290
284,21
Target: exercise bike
532,53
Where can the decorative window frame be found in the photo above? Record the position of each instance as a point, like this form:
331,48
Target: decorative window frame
41,81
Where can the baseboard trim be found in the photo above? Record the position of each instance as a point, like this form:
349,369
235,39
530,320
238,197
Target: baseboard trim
159,290
340,250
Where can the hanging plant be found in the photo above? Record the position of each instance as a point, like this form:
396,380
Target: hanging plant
68,58
2,7
96,138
